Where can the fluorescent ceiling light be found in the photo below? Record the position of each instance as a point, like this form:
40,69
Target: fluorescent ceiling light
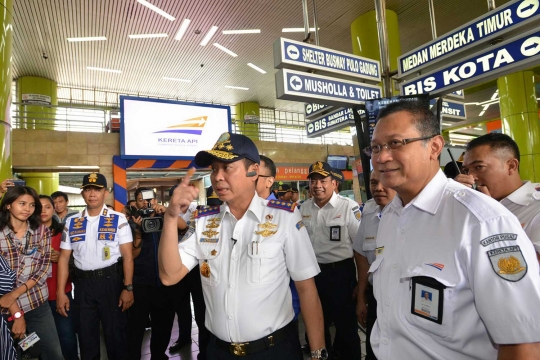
236,87
92,38
182,29
103,69
223,48
478,128
176,79
293,30
462,136
209,35
482,112
147,36
446,124
156,9
246,31
256,68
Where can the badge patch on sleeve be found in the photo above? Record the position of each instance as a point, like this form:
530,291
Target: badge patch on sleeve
499,237
508,263
299,224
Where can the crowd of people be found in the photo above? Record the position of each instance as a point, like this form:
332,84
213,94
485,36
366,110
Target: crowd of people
432,267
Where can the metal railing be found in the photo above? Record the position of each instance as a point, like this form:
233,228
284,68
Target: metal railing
59,118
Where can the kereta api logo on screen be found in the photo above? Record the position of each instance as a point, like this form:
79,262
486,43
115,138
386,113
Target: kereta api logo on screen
192,126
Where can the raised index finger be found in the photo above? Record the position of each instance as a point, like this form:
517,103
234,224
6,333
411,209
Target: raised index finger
187,178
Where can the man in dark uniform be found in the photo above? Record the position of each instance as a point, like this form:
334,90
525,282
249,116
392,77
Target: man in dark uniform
100,240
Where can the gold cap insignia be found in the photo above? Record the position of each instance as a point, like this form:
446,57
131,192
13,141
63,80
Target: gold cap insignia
92,177
318,166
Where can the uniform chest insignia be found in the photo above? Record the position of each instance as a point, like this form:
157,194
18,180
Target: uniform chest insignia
213,252
508,262
283,205
213,223
210,233
269,217
267,229
207,211
205,269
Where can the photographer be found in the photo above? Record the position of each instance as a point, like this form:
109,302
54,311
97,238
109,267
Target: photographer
153,299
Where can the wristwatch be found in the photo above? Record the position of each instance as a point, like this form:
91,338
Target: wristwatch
128,287
16,316
320,354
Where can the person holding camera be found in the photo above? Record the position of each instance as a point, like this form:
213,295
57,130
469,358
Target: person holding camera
153,299
100,240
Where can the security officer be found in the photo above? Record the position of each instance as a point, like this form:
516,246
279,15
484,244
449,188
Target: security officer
295,195
153,299
492,162
247,250
364,247
284,192
332,223
338,176
464,248
99,238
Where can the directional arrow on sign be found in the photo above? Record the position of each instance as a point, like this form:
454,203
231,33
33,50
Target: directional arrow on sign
293,52
296,83
531,46
527,8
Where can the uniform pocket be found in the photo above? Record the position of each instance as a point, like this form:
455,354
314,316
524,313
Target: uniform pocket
264,261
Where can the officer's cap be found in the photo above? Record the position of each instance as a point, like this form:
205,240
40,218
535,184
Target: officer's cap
212,198
282,189
321,168
229,148
337,175
94,179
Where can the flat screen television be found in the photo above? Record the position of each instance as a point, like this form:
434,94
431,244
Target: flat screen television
338,161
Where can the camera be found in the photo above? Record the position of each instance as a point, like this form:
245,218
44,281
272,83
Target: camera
152,225
147,195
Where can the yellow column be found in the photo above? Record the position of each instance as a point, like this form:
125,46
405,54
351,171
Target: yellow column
519,115
245,111
43,183
29,90
6,36
365,38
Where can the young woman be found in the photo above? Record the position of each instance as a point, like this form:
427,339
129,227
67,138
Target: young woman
26,246
7,347
64,325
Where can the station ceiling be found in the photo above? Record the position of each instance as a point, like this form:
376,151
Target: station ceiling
143,65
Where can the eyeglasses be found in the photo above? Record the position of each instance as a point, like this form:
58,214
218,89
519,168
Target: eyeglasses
393,145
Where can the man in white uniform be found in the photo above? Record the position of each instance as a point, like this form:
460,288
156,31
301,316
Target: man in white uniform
461,246
332,222
364,247
492,162
99,238
247,249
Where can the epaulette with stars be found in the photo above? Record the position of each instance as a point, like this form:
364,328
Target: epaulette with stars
283,205
206,211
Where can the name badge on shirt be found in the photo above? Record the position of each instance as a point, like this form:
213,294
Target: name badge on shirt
77,229
107,227
427,298
335,233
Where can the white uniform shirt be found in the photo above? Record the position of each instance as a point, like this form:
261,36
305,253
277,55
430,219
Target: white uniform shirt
365,241
188,216
446,233
337,213
525,204
88,242
247,294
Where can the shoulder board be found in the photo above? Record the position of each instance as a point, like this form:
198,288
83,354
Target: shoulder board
206,211
283,205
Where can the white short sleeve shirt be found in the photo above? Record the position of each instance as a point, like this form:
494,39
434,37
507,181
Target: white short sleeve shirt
525,204
332,228
475,248
96,240
250,261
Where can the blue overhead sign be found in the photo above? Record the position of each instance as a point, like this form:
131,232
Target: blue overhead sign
512,55
306,87
312,110
333,121
451,109
458,94
298,55
512,18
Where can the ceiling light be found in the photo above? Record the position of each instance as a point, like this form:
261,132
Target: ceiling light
156,9
176,79
147,36
478,128
236,87
182,29
103,69
482,112
92,38
256,68
209,35
446,124
223,48
247,31
293,30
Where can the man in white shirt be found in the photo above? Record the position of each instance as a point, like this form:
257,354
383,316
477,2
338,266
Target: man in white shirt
247,250
461,246
492,163
364,247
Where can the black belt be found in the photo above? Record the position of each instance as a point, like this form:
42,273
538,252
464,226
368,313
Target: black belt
99,273
335,264
251,347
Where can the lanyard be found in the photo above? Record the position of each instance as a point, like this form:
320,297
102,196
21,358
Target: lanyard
27,238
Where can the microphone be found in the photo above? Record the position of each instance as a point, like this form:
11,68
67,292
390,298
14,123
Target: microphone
251,174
